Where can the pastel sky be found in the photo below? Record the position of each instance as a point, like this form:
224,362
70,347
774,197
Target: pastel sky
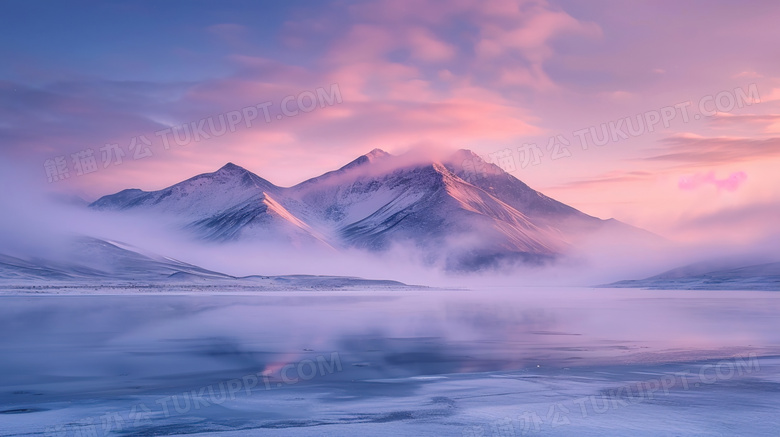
488,75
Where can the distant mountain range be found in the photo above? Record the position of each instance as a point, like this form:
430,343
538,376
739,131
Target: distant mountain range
91,259
459,217
711,276
88,262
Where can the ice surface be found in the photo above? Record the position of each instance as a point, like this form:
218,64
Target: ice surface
491,362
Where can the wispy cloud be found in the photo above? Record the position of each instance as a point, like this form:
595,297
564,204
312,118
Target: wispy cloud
605,179
704,151
755,123
486,75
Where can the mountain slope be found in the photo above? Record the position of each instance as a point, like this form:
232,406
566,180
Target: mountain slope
229,204
543,210
201,195
377,202
709,276
86,263
436,211
93,259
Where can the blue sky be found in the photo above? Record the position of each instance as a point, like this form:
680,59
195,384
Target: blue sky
485,75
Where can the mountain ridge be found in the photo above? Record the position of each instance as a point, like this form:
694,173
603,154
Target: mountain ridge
90,264
723,275
375,202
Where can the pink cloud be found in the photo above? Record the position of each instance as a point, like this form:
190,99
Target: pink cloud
693,150
511,39
773,95
426,47
749,123
387,103
731,183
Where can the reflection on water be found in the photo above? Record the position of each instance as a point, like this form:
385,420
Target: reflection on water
92,348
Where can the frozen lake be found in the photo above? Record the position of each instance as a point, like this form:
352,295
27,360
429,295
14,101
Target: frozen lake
491,362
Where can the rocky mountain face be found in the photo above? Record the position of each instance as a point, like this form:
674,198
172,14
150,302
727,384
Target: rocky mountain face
442,208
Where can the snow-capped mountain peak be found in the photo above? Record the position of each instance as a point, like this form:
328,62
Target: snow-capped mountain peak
231,168
462,210
371,157
376,154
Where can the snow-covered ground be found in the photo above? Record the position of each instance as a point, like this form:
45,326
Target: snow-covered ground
490,362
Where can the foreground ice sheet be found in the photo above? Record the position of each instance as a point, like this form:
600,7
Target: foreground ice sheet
494,362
